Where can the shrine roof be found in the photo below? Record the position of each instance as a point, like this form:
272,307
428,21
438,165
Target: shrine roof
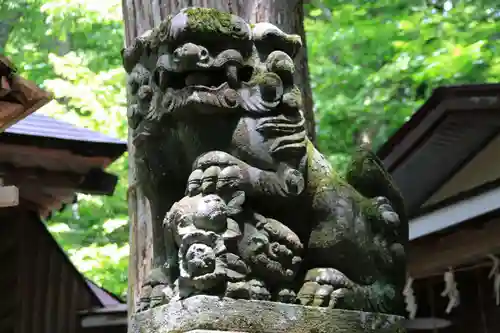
46,132
18,97
443,157
44,126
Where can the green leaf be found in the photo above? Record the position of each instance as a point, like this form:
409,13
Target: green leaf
316,12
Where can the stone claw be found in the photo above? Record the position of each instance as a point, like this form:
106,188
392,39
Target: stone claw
215,158
286,296
145,299
386,211
328,287
390,228
324,287
152,291
151,297
215,173
253,290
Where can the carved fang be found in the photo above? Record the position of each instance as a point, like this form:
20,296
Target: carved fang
232,76
163,79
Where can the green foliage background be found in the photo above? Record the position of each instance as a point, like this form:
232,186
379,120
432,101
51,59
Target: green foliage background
372,64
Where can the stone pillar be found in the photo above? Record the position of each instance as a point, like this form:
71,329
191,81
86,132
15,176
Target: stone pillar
259,233
213,314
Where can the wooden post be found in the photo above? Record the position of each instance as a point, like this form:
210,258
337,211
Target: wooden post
141,16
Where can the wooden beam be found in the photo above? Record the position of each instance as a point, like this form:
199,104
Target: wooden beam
435,255
454,213
20,96
98,179
484,117
27,147
13,113
102,317
95,181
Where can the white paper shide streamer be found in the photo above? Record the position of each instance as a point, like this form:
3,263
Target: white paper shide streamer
495,275
451,291
410,300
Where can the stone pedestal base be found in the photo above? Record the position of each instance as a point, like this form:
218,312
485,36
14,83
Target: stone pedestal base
207,314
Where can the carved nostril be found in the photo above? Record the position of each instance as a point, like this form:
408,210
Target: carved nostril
203,54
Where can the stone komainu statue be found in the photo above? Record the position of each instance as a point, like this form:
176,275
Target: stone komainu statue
243,204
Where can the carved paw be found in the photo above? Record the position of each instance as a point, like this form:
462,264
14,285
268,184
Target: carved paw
216,158
389,226
222,172
324,287
153,291
144,299
215,172
253,290
286,295
386,211
328,287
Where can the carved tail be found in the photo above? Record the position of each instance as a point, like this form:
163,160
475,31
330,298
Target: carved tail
369,177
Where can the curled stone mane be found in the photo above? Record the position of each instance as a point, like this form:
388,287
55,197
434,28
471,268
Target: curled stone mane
184,68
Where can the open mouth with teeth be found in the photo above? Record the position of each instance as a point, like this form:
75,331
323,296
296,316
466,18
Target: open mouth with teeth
208,90
211,78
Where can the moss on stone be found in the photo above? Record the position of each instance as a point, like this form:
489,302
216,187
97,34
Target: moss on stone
209,20
320,175
292,99
296,94
210,313
370,211
164,26
295,39
368,176
265,78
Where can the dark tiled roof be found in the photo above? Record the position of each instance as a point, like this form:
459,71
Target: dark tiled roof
47,127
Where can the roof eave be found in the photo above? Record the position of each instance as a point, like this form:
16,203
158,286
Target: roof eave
34,96
439,94
480,97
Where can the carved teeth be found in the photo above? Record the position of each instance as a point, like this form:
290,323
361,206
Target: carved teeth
162,79
232,76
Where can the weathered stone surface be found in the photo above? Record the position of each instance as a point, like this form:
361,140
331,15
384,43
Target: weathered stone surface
243,204
213,331
212,314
